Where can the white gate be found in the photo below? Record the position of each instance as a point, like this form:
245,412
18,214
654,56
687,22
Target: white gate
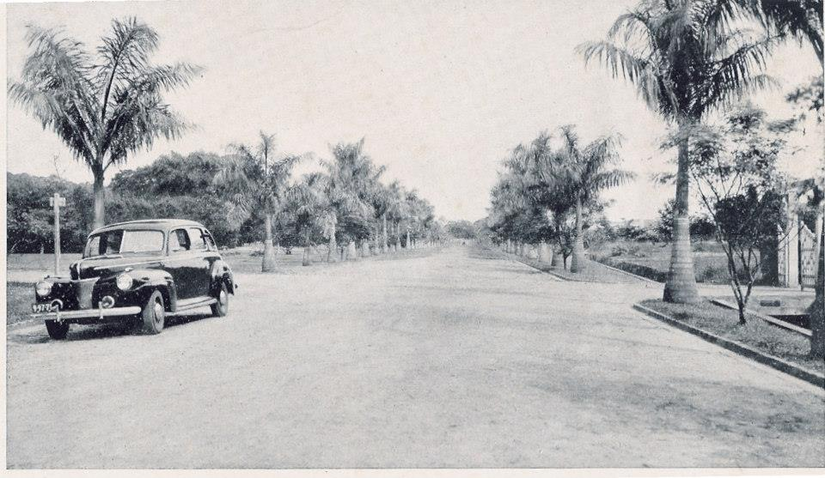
807,256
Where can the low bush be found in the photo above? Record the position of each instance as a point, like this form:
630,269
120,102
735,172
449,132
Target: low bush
639,270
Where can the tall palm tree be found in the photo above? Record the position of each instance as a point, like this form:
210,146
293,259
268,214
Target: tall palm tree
686,58
104,106
257,182
581,174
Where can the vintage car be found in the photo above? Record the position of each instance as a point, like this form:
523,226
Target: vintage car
143,271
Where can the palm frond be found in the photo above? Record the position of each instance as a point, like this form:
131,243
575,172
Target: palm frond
626,64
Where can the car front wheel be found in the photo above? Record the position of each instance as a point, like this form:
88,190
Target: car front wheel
153,315
57,330
221,307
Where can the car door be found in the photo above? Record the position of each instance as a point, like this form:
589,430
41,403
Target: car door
184,264
204,259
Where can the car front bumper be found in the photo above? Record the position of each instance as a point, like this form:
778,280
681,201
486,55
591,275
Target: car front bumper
99,313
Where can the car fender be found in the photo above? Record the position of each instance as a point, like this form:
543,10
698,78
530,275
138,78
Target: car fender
221,274
155,279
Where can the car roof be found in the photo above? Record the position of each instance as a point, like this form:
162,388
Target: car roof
154,224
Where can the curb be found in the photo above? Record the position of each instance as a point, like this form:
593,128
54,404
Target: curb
741,349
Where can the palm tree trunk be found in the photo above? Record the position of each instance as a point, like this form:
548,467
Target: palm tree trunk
268,263
681,281
556,256
332,253
577,261
305,257
408,240
384,235
818,308
99,199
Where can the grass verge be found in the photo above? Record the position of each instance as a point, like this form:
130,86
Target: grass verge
757,334
19,297
250,263
593,272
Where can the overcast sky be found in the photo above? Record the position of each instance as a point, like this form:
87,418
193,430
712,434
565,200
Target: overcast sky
440,90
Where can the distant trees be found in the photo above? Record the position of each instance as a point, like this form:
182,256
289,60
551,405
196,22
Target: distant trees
461,229
348,207
701,227
104,106
344,203
29,219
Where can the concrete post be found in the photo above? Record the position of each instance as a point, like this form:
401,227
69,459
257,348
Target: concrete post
792,244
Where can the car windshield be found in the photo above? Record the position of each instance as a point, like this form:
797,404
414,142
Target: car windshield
121,241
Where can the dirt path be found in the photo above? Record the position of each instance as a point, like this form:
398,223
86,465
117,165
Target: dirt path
452,360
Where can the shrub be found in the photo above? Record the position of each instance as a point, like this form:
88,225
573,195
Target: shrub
637,269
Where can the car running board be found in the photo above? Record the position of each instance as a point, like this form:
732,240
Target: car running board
189,304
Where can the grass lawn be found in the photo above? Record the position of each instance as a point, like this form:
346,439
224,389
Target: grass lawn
249,261
766,338
39,262
19,297
653,259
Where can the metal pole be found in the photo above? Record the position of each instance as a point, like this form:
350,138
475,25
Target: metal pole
56,207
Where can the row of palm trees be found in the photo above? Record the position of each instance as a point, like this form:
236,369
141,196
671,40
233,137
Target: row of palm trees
345,204
546,189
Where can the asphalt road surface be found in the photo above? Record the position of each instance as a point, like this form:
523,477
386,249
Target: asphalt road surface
451,360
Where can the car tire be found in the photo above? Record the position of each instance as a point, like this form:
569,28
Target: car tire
221,308
154,314
57,330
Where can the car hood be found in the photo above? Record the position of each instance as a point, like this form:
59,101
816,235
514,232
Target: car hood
106,266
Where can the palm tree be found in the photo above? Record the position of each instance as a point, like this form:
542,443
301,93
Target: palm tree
258,183
311,205
583,175
104,106
686,58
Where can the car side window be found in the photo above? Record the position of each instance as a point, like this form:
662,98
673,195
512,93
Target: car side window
210,243
198,239
179,241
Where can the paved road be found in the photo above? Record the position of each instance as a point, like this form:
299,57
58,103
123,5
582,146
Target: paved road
453,360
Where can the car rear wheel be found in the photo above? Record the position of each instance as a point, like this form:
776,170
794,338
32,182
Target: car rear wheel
57,330
221,308
154,314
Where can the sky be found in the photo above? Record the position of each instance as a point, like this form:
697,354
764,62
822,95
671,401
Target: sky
440,90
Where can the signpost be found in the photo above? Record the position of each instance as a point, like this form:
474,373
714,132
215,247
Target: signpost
56,202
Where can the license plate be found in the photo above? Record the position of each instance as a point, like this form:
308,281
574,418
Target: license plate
44,308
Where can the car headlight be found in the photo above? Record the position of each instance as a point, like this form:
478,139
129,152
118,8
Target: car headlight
43,288
124,281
